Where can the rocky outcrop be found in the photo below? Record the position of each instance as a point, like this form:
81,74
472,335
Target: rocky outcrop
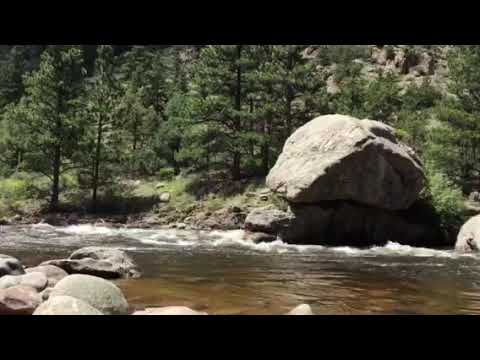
107,263
348,182
167,311
98,293
66,306
10,266
338,157
19,300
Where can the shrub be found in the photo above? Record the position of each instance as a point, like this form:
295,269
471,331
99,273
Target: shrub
166,174
446,198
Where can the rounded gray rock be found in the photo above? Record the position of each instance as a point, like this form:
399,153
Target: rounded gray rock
67,306
53,273
36,280
99,293
337,157
10,266
108,263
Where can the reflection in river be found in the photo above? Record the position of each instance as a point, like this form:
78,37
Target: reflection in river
218,273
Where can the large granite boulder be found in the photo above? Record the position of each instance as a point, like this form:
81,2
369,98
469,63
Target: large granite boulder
468,239
10,266
337,157
19,300
98,293
66,305
107,263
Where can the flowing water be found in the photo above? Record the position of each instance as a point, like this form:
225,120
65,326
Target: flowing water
218,273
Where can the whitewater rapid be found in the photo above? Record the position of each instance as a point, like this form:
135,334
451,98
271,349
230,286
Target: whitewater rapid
218,239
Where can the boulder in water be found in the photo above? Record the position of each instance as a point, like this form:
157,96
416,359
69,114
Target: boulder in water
337,157
267,220
10,266
66,305
98,293
107,263
19,300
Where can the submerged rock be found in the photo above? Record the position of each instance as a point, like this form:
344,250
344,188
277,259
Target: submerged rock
98,261
172,310
19,300
66,305
98,293
337,157
10,266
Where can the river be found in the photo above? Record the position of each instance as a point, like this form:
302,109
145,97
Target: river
218,273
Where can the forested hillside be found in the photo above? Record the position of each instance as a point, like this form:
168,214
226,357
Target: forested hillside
84,119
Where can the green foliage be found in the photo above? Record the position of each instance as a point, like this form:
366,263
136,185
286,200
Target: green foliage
446,198
166,174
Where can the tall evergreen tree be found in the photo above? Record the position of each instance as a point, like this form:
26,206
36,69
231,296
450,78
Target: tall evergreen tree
52,130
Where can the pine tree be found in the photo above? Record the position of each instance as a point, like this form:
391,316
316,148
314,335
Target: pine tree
52,131
101,136
289,92
221,81
455,142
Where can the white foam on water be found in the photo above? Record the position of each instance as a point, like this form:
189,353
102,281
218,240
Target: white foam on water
235,238
88,229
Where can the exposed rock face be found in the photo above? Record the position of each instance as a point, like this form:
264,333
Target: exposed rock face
98,293
468,239
337,157
344,223
107,263
67,306
19,300
172,310
10,266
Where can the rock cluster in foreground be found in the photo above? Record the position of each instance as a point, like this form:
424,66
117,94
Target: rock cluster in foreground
347,182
